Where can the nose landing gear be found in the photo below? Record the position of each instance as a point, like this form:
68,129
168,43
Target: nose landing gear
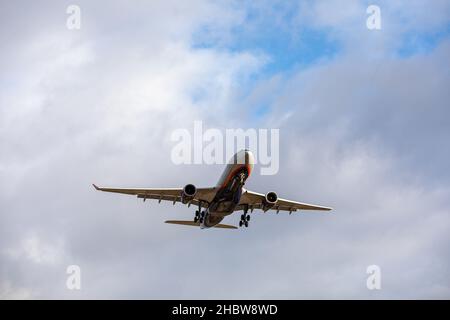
241,178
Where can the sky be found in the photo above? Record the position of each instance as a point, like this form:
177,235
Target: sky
364,127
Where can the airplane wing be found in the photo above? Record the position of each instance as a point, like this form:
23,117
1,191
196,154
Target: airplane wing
203,195
255,200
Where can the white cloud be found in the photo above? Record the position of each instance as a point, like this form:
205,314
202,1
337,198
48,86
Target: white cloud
37,251
7,291
99,106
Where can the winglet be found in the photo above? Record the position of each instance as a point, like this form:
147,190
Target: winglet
96,188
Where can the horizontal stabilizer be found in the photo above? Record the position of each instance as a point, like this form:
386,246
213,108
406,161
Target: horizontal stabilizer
224,226
197,224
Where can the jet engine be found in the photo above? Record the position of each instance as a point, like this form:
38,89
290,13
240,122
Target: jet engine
188,194
270,200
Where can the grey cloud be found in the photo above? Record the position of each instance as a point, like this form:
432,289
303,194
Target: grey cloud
99,106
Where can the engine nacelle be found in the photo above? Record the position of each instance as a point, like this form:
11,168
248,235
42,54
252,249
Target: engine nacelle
188,194
270,200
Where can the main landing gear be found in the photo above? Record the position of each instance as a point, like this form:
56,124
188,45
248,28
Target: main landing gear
199,214
245,218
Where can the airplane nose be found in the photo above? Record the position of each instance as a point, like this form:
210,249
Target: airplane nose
244,156
249,156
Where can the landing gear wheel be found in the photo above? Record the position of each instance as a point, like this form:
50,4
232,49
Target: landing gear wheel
197,216
202,216
245,218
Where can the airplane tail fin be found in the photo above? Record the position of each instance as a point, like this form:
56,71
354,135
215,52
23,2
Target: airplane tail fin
197,224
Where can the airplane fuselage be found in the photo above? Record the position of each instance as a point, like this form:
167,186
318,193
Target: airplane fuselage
229,189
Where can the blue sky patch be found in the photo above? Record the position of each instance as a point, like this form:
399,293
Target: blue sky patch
420,43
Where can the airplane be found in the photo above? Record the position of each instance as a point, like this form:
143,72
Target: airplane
228,196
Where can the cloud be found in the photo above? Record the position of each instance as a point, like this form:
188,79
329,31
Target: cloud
361,131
